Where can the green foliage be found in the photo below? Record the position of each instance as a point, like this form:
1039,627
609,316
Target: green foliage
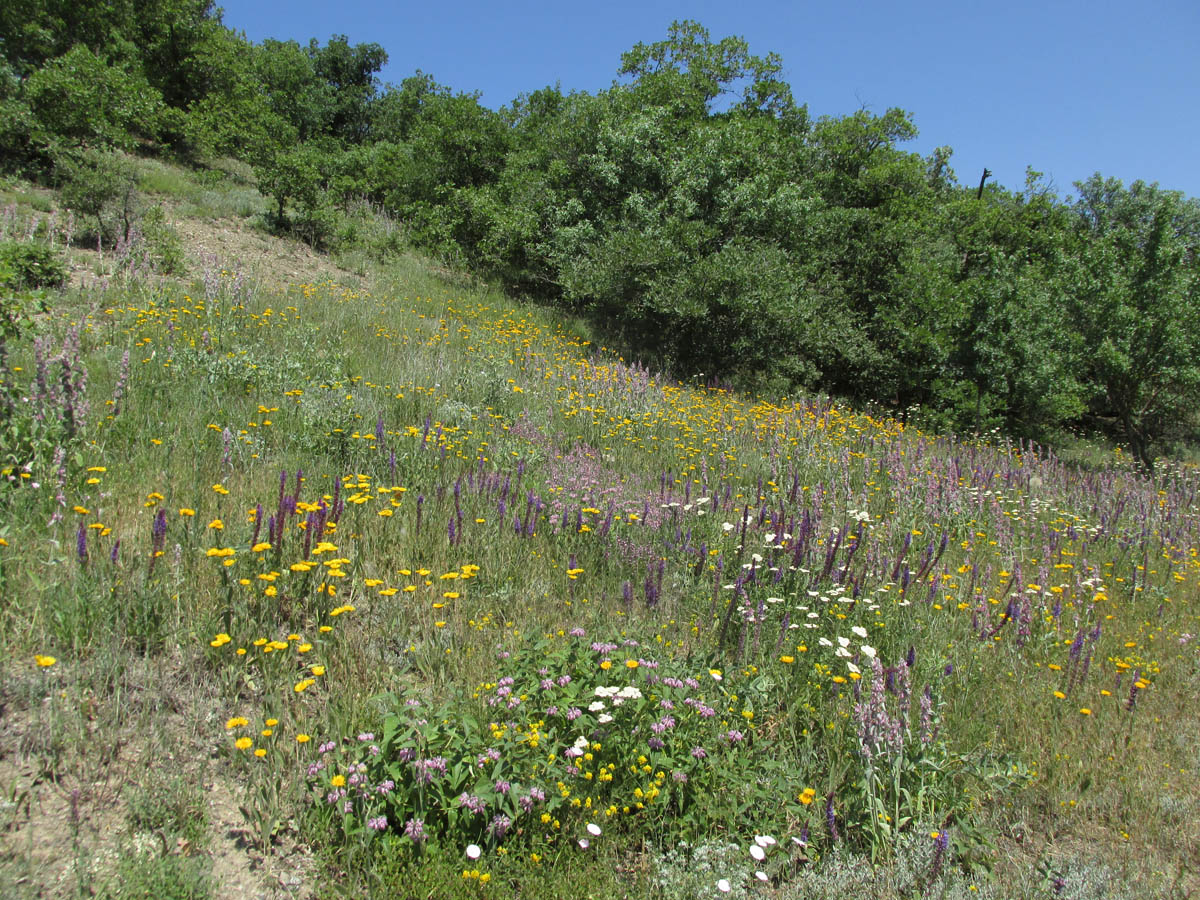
688,72
79,98
476,770
300,177
1137,304
31,266
102,185
171,805
149,873
348,73
163,243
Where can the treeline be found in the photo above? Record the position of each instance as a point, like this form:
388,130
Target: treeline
694,211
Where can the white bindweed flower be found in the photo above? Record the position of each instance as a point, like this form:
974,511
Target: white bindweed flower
760,875
723,886
859,630
473,851
593,829
764,840
758,852
583,843
868,651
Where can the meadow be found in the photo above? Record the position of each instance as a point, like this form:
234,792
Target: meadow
389,585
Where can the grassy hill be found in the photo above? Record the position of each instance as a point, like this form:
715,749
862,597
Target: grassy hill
324,580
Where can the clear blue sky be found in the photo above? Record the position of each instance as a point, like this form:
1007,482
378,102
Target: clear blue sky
1069,87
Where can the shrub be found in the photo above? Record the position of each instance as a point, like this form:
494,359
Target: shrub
78,98
32,266
163,243
104,186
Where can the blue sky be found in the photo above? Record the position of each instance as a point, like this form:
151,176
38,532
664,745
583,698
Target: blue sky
1066,86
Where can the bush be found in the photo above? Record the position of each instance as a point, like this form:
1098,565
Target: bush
78,98
32,266
163,243
103,185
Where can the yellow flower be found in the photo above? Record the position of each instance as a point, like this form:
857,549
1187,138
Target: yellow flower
1060,695
81,510
303,685
44,661
260,752
302,739
271,723
631,663
261,546
187,512
338,781
787,659
220,640
236,722
606,664
318,670
1085,711
216,524
220,489
243,743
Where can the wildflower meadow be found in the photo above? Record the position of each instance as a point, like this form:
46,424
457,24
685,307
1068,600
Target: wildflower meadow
428,593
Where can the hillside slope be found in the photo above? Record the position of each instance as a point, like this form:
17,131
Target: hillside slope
324,582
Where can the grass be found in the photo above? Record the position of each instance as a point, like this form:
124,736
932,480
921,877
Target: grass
223,191
360,562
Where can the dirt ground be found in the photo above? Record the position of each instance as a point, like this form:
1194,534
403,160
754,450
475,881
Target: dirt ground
71,764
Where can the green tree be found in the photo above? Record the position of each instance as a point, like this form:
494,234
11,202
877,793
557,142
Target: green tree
294,90
1137,304
690,73
350,73
79,98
